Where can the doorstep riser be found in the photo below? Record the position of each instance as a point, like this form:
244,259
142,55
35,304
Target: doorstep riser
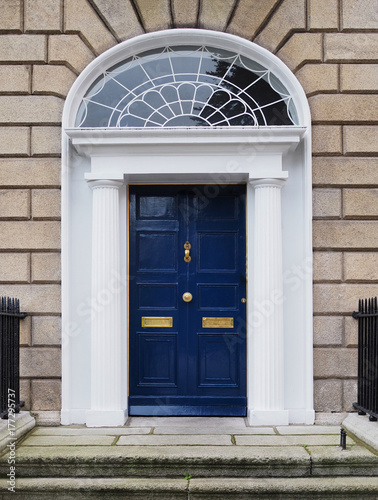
346,471
247,494
163,495
361,488
283,496
85,495
199,471
143,471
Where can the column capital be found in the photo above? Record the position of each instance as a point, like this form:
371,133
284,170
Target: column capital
105,179
104,183
268,182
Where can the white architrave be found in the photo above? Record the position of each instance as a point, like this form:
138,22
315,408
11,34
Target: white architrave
106,334
137,161
182,156
266,310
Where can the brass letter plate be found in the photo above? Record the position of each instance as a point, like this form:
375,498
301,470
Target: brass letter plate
157,322
217,322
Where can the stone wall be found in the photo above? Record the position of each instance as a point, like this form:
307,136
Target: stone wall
329,44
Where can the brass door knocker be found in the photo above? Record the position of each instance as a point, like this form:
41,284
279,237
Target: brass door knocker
187,257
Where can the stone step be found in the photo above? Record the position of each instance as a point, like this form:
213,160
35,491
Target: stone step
199,461
346,488
16,427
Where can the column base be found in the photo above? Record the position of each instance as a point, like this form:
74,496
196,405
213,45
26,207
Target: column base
306,417
268,417
105,418
72,417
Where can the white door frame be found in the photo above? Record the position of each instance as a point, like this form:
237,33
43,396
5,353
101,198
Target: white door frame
259,157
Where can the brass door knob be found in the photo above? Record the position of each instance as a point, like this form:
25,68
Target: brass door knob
187,297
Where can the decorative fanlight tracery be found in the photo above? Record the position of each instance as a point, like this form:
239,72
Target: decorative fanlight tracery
186,86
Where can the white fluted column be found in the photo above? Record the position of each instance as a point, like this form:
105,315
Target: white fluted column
106,342
266,315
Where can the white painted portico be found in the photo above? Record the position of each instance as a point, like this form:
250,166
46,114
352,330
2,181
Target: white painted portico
272,161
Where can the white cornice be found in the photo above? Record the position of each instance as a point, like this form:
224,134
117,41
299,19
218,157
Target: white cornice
111,142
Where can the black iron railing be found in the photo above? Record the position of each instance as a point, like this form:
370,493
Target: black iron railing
367,388
10,356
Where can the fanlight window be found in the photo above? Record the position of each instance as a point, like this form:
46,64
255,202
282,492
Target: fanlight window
186,86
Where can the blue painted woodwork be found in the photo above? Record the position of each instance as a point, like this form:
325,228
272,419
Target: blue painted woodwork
187,369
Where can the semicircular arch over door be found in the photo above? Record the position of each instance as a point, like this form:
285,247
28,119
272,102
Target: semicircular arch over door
189,108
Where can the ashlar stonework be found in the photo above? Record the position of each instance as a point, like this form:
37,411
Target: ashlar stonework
330,46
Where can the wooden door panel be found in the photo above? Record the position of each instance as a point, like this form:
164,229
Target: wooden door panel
217,252
157,296
157,360
218,364
156,251
213,297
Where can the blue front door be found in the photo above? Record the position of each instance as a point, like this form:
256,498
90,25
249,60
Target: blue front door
187,300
